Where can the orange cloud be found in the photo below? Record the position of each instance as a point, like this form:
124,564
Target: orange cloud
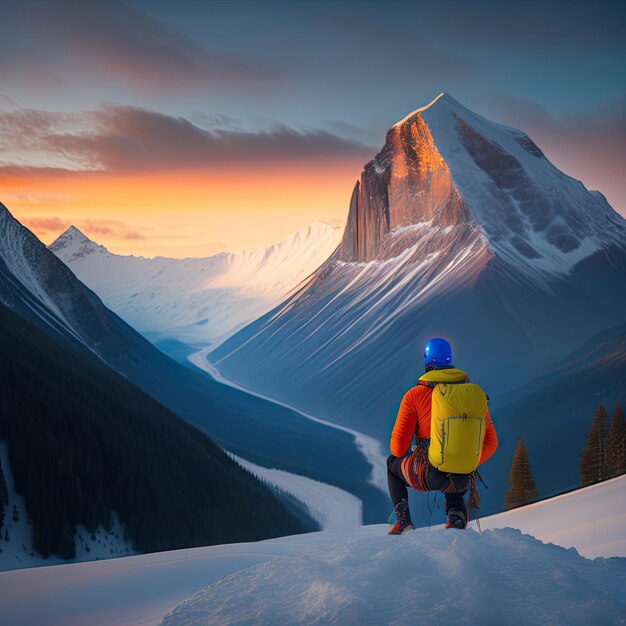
146,183
44,224
51,227
183,213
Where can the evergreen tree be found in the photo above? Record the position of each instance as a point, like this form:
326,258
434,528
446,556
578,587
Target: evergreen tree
616,445
522,488
593,458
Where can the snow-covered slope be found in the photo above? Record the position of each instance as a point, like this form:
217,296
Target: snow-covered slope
459,227
359,576
197,301
535,217
36,289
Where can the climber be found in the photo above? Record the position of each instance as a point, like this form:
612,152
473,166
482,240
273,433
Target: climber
454,434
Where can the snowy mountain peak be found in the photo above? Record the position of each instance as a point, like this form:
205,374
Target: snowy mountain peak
447,167
421,109
72,244
73,233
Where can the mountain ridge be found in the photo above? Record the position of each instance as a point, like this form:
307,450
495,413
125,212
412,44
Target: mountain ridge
197,301
72,235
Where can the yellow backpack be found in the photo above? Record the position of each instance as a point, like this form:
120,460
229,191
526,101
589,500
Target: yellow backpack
457,425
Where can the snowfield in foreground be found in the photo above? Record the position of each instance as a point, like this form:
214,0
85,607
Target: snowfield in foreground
424,577
358,576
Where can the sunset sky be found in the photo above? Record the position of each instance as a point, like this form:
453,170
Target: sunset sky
188,128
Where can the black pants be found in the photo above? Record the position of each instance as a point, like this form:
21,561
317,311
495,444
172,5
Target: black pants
437,480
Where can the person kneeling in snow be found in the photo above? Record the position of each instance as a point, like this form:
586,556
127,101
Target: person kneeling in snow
454,434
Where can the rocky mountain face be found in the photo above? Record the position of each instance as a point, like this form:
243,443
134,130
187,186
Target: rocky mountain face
408,183
459,227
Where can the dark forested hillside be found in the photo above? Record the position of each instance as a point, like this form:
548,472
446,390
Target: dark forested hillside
83,441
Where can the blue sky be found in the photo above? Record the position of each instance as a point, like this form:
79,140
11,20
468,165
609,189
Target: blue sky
332,73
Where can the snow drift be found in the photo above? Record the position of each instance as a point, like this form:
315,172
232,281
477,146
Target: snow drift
424,577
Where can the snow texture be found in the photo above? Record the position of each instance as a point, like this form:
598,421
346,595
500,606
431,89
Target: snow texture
19,255
425,577
197,301
592,520
496,576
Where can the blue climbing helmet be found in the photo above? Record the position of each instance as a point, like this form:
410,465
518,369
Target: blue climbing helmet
437,353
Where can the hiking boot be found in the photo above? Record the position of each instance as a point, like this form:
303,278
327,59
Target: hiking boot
403,519
457,518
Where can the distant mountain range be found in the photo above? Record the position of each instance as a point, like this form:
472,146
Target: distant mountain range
459,227
197,302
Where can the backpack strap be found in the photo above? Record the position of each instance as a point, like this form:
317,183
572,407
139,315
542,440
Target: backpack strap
427,383
433,383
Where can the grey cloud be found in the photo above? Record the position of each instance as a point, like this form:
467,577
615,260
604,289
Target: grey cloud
344,128
100,227
45,223
122,138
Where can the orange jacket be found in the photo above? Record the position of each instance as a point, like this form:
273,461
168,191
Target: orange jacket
414,417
